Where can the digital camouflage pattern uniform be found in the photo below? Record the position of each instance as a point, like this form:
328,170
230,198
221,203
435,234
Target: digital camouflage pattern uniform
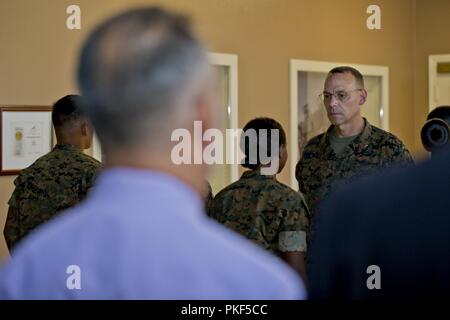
208,196
54,182
265,211
320,168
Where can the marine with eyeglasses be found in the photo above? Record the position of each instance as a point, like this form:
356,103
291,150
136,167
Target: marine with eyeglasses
350,147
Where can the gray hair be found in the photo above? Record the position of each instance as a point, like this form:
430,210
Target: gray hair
133,70
346,69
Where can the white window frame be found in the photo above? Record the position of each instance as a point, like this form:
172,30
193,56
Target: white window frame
296,66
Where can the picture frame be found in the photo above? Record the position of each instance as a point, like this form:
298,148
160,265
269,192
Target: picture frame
26,134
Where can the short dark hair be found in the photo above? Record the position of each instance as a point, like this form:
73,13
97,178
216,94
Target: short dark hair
66,110
346,69
441,112
133,68
246,140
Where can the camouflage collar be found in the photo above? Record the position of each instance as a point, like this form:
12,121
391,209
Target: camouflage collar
66,147
255,174
357,146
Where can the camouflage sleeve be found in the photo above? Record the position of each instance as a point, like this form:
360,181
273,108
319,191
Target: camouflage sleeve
208,198
13,230
88,180
214,206
404,157
307,196
303,175
298,177
294,227
398,155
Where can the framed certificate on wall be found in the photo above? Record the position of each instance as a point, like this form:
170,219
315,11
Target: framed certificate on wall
25,135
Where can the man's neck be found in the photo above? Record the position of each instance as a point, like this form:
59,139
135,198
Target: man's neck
192,175
72,139
351,128
71,143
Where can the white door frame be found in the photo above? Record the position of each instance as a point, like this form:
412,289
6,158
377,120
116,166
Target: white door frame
433,61
218,59
230,61
321,66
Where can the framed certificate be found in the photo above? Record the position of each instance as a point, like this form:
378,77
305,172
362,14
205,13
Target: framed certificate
25,135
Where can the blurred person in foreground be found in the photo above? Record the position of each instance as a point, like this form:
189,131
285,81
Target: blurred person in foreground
386,236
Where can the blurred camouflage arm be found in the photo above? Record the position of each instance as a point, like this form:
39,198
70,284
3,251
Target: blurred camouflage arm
307,196
292,241
405,157
398,155
208,197
12,231
402,156
298,177
88,180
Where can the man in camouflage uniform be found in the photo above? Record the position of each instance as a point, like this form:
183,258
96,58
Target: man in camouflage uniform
57,180
262,209
351,146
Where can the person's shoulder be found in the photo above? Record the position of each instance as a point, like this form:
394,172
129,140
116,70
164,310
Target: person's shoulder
390,146
63,161
76,164
228,191
315,141
91,164
313,148
221,194
40,163
287,193
217,202
38,170
85,159
386,138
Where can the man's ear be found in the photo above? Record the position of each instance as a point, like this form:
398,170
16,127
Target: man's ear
84,128
363,97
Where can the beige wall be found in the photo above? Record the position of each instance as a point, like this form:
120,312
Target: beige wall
39,54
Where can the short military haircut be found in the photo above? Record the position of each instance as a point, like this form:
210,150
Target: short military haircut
248,140
133,70
67,110
346,69
441,112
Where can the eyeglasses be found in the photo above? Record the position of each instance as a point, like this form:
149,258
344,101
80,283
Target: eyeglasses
340,95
